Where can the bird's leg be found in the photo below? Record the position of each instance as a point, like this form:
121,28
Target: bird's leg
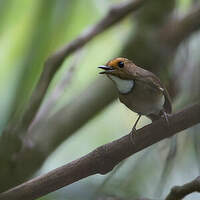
134,129
164,114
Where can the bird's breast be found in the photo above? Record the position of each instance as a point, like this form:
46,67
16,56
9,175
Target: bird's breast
123,86
143,99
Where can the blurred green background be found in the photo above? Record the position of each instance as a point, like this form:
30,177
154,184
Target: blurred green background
32,30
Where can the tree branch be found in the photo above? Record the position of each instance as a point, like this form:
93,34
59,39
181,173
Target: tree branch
179,192
103,159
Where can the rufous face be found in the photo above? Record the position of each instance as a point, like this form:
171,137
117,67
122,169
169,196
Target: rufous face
119,67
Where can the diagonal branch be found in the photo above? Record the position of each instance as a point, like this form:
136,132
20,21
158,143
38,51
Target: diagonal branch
103,159
179,192
54,62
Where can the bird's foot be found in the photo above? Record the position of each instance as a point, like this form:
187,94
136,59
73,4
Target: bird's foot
165,117
132,133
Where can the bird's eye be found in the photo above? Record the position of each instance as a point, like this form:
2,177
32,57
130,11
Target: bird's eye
121,64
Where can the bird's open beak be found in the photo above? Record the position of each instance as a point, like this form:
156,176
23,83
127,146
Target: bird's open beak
107,69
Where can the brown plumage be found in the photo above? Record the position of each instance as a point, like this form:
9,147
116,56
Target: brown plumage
140,90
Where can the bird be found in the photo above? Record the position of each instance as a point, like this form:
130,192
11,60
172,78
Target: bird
139,89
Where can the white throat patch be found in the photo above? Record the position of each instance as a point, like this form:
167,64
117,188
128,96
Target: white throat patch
124,86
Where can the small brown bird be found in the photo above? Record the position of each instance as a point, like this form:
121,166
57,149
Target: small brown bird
140,90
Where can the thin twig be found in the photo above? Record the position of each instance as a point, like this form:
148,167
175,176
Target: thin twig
179,192
103,159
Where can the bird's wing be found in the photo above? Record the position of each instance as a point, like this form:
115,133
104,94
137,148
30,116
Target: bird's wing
154,82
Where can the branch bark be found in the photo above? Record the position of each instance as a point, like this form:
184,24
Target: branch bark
179,192
104,158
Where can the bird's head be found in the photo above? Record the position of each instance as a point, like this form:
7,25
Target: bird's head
120,67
